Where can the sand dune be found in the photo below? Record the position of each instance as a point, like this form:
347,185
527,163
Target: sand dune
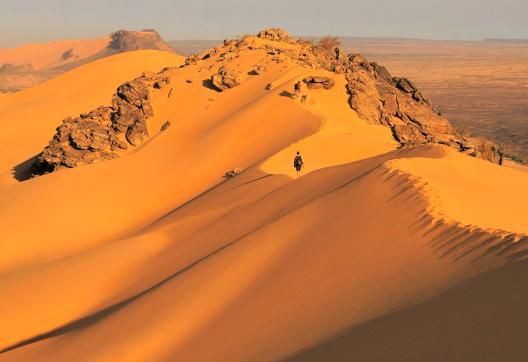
30,117
155,256
49,55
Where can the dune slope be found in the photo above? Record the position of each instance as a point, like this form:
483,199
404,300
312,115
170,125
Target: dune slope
30,117
155,255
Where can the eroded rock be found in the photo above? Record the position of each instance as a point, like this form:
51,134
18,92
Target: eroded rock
317,82
226,78
102,133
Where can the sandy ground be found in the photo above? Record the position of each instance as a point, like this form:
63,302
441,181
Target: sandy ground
50,55
155,256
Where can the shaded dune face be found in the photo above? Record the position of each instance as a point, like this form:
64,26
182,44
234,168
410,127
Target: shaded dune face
154,254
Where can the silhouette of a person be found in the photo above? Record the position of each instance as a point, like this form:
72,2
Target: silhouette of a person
298,162
297,88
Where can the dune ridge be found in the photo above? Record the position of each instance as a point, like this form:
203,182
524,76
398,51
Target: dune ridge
155,254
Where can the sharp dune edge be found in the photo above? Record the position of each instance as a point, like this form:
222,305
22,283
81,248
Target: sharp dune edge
155,256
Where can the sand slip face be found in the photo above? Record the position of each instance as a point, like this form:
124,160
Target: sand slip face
473,192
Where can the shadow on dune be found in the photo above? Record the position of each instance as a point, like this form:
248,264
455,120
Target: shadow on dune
100,315
207,83
22,171
482,319
286,94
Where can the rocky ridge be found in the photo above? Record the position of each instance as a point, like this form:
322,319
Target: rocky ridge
102,133
374,94
126,40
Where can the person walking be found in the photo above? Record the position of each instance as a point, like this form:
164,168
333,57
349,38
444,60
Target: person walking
297,89
298,162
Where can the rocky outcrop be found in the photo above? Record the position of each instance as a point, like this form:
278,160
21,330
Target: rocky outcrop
68,54
258,70
397,103
379,98
226,78
275,34
489,151
374,94
317,82
126,40
102,133
232,173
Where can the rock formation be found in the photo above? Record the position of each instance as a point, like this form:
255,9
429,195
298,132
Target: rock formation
275,34
102,133
226,78
316,82
379,98
375,95
126,40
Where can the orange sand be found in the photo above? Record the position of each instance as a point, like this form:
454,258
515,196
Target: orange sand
49,55
29,118
156,257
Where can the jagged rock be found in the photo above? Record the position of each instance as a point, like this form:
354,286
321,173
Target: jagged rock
364,97
101,133
408,134
232,173
137,133
275,34
136,93
316,82
405,85
192,59
226,78
258,70
379,98
382,73
125,40
67,54
357,61
490,151
165,125
161,83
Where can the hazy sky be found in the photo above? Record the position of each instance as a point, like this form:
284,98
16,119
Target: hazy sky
23,21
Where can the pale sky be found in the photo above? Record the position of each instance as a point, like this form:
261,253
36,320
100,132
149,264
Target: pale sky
23,21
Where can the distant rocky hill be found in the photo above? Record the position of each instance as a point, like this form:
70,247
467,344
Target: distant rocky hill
24,67
124,40
376,96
